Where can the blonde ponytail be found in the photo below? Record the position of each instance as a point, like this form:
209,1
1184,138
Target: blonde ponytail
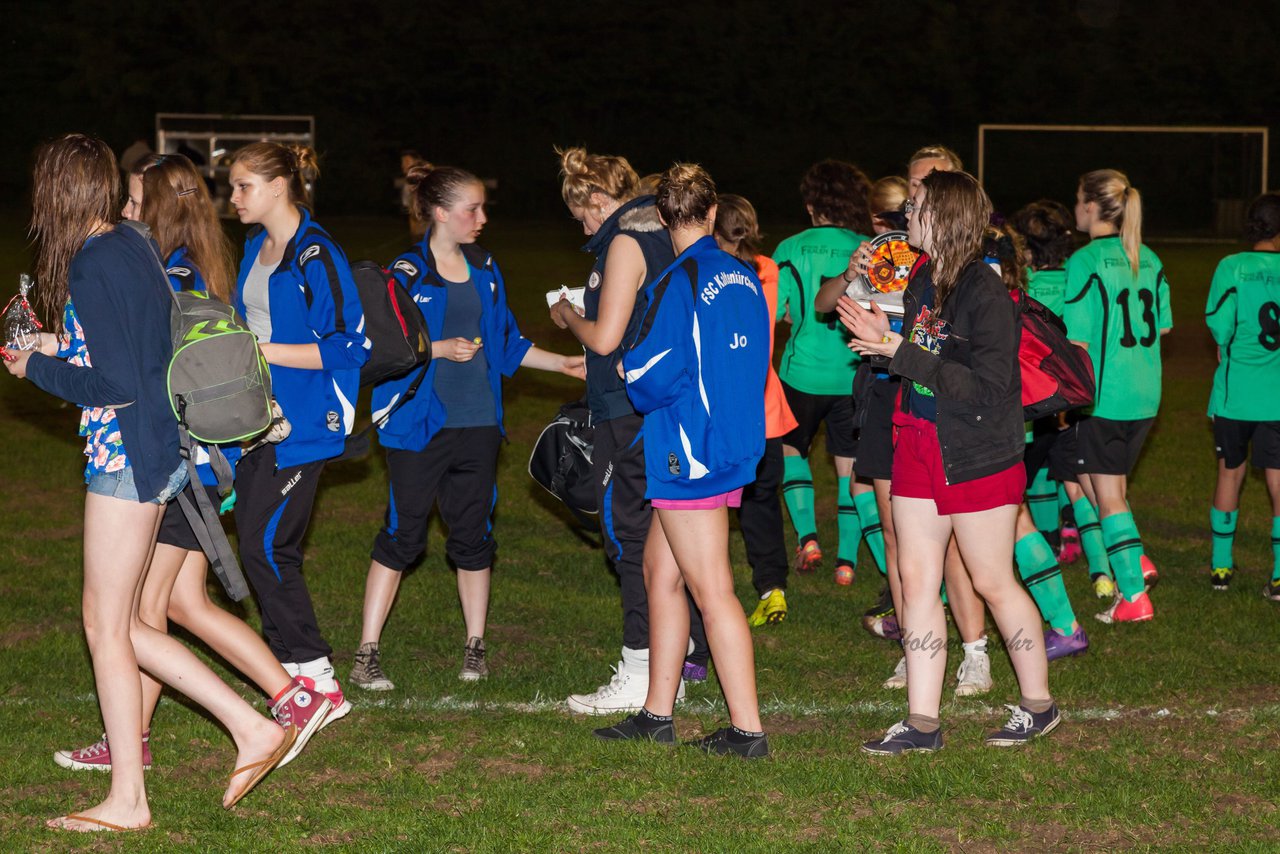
1131,227
1119,204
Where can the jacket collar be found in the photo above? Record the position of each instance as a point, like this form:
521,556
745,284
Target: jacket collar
306,223
477,257
611,226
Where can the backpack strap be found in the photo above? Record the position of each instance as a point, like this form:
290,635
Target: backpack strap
357,445
205,525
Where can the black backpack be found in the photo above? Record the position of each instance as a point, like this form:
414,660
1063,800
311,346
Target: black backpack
393,324
561,461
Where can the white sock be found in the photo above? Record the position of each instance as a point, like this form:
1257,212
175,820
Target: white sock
978,647
292,668
321,670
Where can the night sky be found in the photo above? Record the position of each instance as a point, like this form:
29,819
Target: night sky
755,89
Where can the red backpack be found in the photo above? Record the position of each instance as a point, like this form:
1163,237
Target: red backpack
1057,375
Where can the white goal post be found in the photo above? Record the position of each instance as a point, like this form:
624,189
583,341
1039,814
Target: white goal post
1224,176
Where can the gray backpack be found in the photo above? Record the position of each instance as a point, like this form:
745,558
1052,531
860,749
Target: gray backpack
220,392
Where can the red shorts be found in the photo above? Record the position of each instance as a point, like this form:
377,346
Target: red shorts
918,473
711,502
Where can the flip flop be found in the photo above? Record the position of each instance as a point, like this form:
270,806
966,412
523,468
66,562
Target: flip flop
101,825
262,767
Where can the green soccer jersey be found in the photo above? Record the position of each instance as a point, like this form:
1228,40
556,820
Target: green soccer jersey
1243,314
1048,286
1120,318
817,358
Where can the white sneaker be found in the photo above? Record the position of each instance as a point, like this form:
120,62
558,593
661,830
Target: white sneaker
898,680
624,693
974,675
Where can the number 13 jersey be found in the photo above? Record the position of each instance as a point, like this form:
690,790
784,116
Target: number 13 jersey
1243,313
1121,318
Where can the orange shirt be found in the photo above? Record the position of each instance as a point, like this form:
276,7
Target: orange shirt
778,420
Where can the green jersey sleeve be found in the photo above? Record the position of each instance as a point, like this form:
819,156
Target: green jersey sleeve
1079,310
1220,310
1163,304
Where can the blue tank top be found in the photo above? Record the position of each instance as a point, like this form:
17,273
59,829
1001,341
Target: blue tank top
463,387
638,219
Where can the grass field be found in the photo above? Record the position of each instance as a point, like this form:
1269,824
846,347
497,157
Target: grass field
1168,740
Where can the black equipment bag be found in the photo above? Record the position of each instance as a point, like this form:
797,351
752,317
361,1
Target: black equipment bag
561,461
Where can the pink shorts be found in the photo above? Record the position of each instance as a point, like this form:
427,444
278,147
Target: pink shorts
918,473
724,499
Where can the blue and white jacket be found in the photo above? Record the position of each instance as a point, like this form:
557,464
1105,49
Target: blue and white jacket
312,300
696,370
411,426
185,276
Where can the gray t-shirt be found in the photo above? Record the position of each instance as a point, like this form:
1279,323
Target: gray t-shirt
257,301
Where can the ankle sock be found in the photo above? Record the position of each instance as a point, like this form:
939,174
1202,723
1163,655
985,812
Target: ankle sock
1095,551
1036,706
797,494
646,719
923,723
1223,527
872,529
1124,550
1038,567
741,736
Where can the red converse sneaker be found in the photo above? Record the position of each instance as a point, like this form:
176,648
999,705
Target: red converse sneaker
97,757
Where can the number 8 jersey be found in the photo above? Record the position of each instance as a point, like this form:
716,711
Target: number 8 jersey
1121,318
1243,313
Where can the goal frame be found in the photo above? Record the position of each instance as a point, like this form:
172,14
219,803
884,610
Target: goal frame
1264,131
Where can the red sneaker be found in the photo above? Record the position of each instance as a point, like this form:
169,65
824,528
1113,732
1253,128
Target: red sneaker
97,757
1150,575
1123,611
305,711
341,705
844,574
808,557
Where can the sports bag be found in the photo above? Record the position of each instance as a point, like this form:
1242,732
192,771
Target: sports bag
393,324
1057,375
561,461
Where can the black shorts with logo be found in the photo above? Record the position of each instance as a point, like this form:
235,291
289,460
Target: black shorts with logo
1232,438
1110,447
811,410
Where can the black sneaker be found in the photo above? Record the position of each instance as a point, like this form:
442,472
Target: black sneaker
727,741
1024,725
902,738
1220,577
875,615
638,727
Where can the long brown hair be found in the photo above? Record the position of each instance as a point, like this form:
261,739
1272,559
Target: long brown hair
1119,204
74,188
177,208
297,164
959,213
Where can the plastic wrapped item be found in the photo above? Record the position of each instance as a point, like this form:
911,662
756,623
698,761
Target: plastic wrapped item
21,326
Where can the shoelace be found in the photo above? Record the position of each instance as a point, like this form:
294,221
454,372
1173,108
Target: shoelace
895,730
94,750
473,658
371,664
1020,719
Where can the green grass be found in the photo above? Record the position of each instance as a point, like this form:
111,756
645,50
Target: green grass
1168,738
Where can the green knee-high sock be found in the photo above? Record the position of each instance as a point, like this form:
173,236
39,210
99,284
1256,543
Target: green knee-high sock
1091,538
1223,526
1038,567
872,530
848,525
1275,548
1042,501
1124,549
797,492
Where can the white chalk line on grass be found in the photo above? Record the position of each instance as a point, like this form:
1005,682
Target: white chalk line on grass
768,706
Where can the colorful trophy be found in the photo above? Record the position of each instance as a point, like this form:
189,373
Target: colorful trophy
21,326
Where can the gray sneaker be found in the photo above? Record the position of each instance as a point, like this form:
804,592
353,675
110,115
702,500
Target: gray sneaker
367,672
473,666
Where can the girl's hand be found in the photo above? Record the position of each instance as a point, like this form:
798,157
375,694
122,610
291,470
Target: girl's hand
574,366
16,362
859,262
455,349
870,328
560,313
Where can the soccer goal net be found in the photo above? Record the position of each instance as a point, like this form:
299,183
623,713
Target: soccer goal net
1196,182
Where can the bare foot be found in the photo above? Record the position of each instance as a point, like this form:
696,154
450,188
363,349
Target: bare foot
258,752
105,817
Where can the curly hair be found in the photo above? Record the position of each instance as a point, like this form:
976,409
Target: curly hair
1049,230
1263,220
685,196
837,192
585,174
